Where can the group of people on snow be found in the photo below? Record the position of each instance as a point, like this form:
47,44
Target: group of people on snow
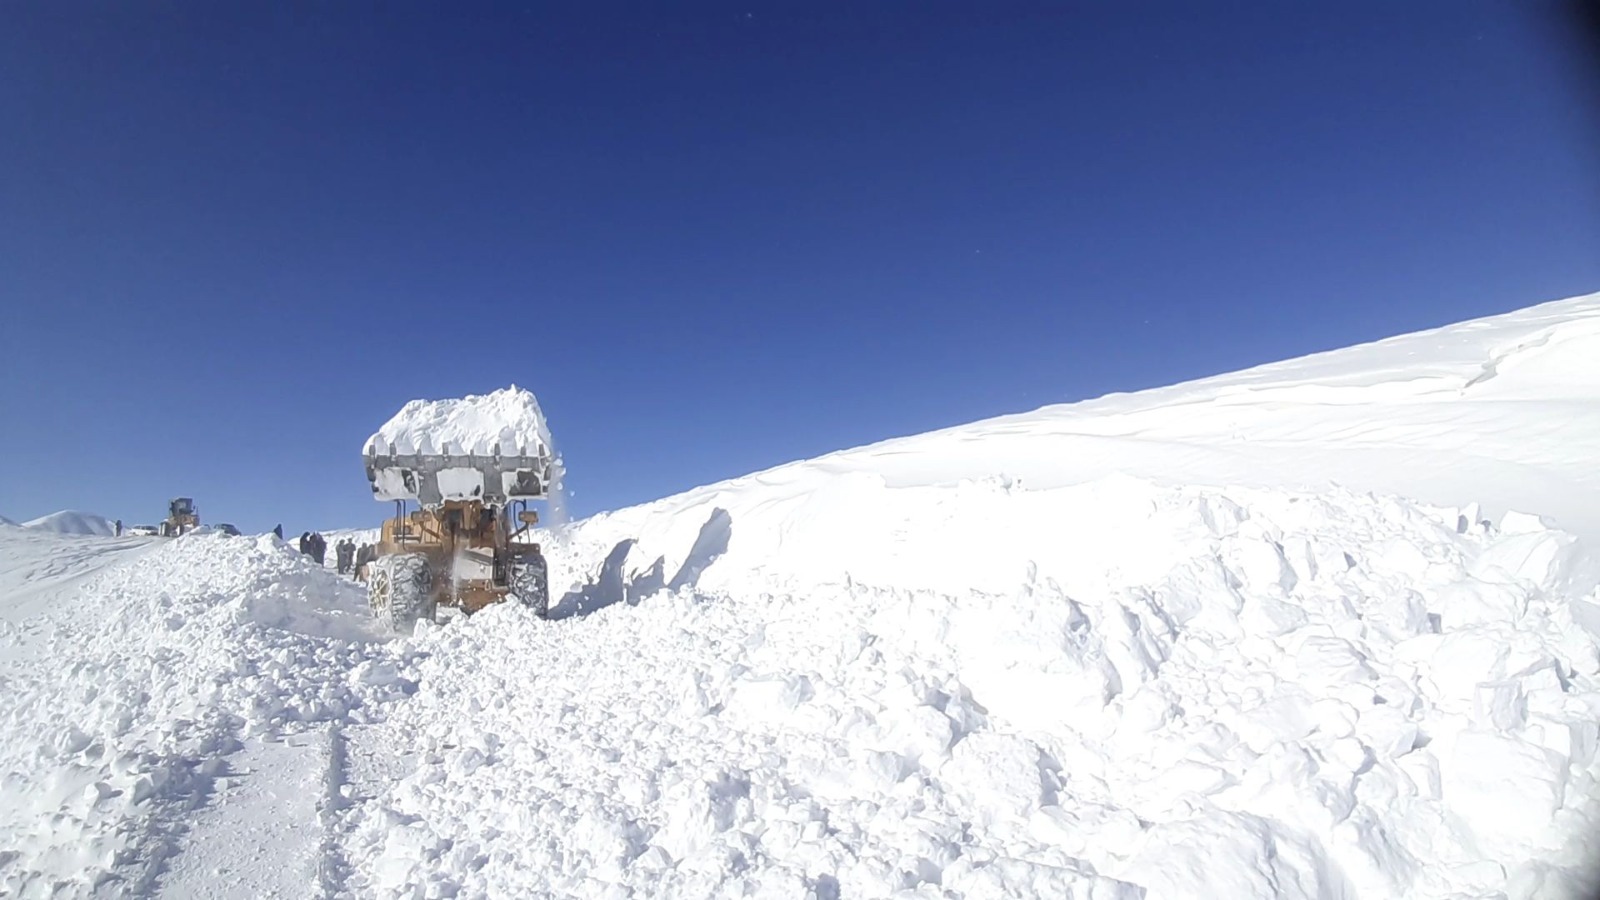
351,558
314,545
348,557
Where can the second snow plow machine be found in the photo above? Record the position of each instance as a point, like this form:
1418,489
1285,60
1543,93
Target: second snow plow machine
472,466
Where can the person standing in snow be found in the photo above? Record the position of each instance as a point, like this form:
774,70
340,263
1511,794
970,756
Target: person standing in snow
363,556
319,548
344,551
119,528
305,543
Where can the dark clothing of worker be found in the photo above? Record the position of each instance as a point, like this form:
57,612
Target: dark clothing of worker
364,557
344,552
319,548
277,531
305,543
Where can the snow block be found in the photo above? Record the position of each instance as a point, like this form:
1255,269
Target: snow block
1553,561
999,775
1506,791
1500,706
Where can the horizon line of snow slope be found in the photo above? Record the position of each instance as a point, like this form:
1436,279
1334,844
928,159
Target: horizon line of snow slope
866,690
1502,411
125,702
71,521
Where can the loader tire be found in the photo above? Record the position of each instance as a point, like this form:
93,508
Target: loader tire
400,591
532,585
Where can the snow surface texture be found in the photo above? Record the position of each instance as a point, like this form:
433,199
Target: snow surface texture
70,521
1074,692
970,664
508,420
125,700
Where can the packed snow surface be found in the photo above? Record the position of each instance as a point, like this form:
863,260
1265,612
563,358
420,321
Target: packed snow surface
508,420
984,662
69,521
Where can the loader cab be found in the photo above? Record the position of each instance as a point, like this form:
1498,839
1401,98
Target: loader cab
182,517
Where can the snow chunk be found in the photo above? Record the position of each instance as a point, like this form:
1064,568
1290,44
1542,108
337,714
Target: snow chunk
1504,790
508,420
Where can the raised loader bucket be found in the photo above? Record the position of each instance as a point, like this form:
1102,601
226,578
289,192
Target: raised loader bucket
432,478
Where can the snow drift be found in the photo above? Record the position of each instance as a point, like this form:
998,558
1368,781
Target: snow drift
70,521
1250,637
1502,411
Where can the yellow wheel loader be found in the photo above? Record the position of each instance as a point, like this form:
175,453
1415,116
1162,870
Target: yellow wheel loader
469,541
182,517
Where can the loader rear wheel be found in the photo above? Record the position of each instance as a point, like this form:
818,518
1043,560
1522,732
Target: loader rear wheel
532,585
400,591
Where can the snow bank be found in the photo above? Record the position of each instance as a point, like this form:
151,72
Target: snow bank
156,670
6,521
1501,411
69,521
880,691
508,420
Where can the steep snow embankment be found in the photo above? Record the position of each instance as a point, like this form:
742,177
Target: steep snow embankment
69,521
981,691
157,671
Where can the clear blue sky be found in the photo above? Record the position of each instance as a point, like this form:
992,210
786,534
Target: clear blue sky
236,237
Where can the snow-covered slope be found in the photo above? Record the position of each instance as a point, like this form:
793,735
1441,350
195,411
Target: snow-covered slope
69,521
1503,411
1138,646
6,521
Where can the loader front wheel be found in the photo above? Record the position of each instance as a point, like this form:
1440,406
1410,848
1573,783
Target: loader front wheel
532,585
400,591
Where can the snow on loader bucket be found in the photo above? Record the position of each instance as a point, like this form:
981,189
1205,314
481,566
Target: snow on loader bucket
469,541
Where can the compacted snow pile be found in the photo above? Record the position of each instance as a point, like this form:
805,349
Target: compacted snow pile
122,701
1197,693
477,423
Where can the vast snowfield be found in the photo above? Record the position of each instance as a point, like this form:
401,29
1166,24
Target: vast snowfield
1328,628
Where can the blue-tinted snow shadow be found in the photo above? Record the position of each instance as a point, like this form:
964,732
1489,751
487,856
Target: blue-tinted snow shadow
612,585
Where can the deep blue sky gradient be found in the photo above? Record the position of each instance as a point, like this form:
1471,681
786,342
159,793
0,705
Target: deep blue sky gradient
235,238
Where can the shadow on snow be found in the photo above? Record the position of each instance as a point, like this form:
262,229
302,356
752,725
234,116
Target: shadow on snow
612,585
